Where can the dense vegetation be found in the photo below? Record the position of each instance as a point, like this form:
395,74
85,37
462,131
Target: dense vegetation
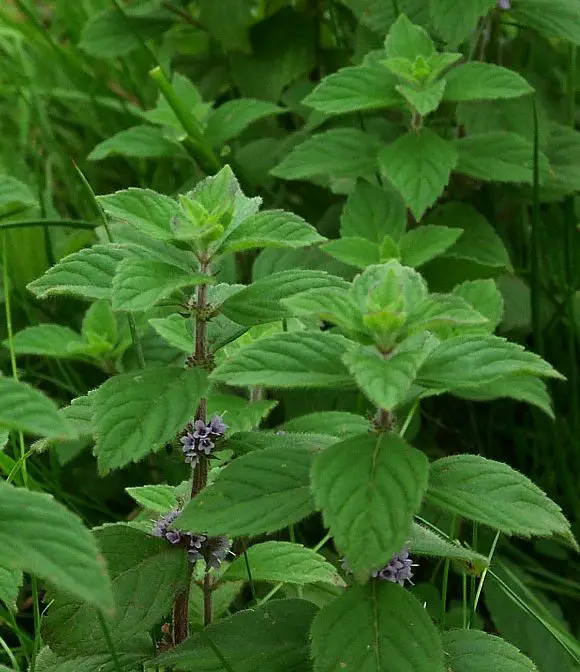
290,350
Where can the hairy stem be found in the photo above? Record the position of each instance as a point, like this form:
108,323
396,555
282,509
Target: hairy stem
199,474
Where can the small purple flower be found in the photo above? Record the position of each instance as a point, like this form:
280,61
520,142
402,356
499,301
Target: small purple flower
219,549
398,570
161,527
195,545
196,440
504,4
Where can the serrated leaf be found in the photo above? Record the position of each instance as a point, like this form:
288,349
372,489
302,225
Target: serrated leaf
494,494
260,302
353,89
140,142
424,99
388,631
479,241
40,536
528,389
472,360
562,150
498,157
241,415
387,381
146,575
176,330
340,152
242,501
99,326
332,304
406,40
484,81
373,212
374,14
423,541
87,274
270,228
333,423
160,498
369,488
127,660
143,209
139,284
418,165
285,562
137,413
552,18
440,310
420,245
454,21
477,651
306,359
243,443
271,637
47,340
234,116
24,408
354,251
485,297
10,584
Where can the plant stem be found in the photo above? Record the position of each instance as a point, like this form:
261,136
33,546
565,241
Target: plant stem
445,584
199,474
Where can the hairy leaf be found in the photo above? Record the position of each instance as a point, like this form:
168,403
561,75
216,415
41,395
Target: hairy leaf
476,651
484,81
234,116
420,245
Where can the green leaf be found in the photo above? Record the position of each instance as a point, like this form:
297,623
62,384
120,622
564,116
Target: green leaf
424,99
418,165
373,212
87,274
305,359
498,157
110,34
40,536
145,210
147,573
159,498
562,150
191,98
241,415
132,655
234,116
242,502
477,651
140,284
441,311
176,330
140,142
377,15
340,152
528,389
354,89
484,81
387,381
494,494
473,360
406,40
454,21
332,304
10,584
270,228
285,562
354,251
260,302
376,628
271,637
137,413
333,423
24,408
47,340
369,488
552,18
485,297
228,22
100,325
479,241
423,541
243,443
420,245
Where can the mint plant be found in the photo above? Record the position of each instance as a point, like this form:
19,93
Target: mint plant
209,572
384,333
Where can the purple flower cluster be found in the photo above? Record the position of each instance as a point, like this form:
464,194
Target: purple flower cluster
504,4
213,550
199,438
398,570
